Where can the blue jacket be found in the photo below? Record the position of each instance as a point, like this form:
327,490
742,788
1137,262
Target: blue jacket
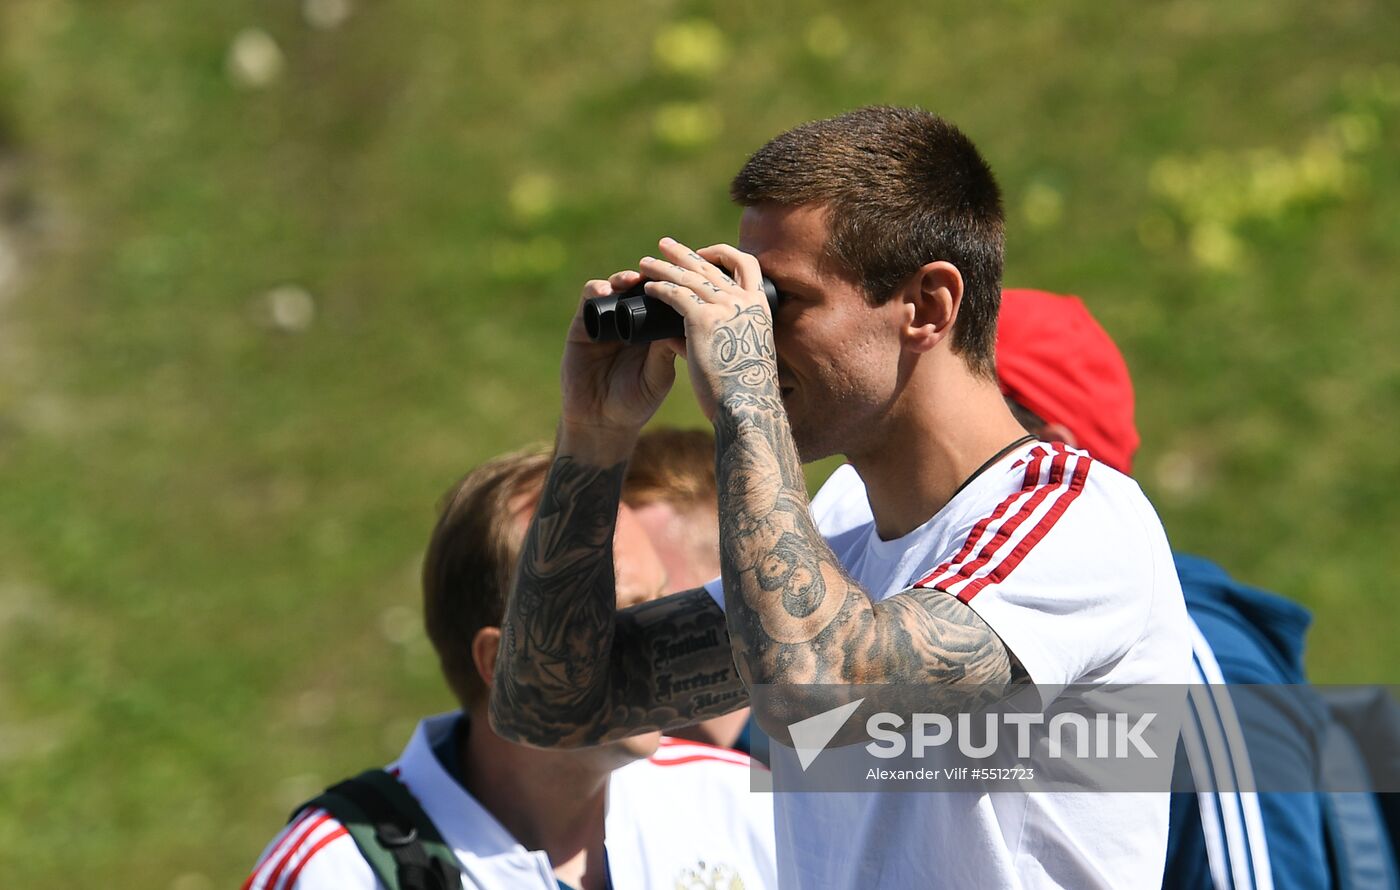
1279,839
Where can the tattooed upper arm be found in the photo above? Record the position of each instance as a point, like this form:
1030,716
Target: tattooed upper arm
941,639
920,636
921,650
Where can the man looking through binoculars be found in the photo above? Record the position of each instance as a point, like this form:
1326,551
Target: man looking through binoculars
882,232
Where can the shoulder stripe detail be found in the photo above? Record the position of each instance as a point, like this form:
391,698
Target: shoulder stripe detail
674,752
673,746
279,844
695,758
1032,479
1062,500
295,847
275,862
673,749
1039,450
315,848
1038,493
1014,528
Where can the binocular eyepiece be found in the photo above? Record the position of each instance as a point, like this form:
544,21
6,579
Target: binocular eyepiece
635,317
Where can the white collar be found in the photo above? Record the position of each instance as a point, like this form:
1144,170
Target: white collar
485,849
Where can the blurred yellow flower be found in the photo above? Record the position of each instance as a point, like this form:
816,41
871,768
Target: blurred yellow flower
691,48
1043,205
687,124
1358,131
532,197
1216,192
826,38
1214,246
1322,169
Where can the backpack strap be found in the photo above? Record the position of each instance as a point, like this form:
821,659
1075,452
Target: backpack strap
1356,836
395,836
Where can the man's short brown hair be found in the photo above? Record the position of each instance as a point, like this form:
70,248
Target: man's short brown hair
471,559
903,187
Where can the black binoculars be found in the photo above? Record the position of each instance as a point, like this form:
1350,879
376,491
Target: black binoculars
634,317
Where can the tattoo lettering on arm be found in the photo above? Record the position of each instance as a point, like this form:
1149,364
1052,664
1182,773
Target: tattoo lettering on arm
676,666
795,616
573,670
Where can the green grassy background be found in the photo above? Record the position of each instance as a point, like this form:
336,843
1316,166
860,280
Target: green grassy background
213,502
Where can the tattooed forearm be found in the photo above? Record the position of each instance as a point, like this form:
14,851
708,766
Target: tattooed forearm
794,615
551,671
670,666
675,666
572,670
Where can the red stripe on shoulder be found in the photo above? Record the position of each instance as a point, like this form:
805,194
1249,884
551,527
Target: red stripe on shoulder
1031,479
673,742
279,844
696,758
309,822
676,751
1008,528
315,848
1041,529
1029,483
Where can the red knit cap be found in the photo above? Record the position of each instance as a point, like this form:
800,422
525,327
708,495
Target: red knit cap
1053,358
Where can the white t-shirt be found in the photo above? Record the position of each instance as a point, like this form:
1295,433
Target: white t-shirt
685,817
1065,559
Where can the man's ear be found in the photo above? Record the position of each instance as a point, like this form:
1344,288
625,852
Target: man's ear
485,645
1058,432
931,301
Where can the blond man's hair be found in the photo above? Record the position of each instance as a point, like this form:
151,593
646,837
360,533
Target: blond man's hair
672,466
677,468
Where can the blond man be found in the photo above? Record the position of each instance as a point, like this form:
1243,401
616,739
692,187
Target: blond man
642,812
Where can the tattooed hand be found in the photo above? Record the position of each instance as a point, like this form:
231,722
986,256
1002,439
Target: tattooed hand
611,388
728,328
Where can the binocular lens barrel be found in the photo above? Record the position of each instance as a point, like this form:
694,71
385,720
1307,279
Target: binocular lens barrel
599,318
634,317
643,319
